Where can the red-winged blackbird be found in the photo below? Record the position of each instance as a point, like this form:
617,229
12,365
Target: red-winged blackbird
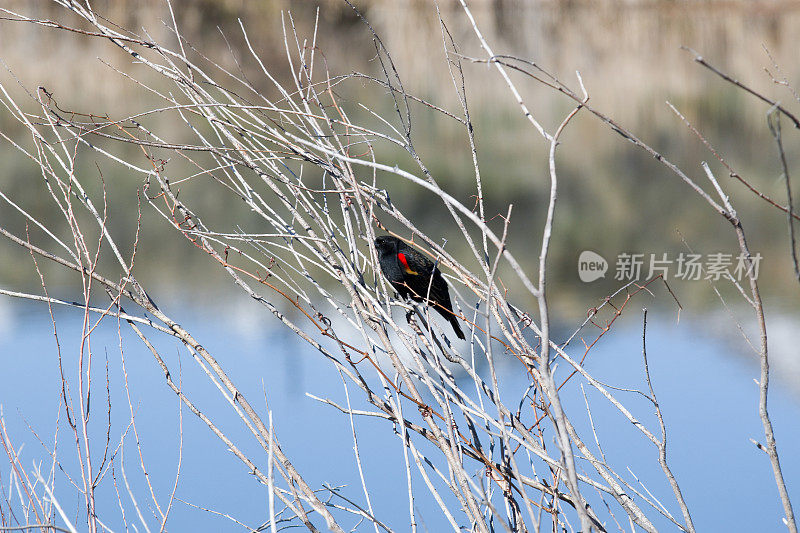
410,273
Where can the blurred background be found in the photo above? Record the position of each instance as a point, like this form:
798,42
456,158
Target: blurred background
613,199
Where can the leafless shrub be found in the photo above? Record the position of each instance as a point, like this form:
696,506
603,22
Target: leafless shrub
310,174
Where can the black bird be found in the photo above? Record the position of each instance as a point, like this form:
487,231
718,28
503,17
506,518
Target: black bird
410,274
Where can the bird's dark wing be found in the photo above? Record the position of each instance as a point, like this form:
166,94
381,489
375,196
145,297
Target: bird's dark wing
430,284
439,298
424,281
439,293
417,271
416,261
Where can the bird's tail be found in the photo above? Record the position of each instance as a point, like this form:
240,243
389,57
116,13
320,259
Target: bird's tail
454,321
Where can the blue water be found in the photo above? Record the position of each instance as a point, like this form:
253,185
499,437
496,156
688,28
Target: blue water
704,386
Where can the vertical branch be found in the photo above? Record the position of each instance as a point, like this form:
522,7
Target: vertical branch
662,445
545,372
769,433
774,124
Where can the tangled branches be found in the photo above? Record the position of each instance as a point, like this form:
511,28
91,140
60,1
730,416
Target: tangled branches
309,174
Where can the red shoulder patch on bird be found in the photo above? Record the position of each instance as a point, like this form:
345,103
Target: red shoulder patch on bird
403,261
